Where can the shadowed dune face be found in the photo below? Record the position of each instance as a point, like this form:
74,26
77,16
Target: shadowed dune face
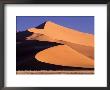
55,47
21,36
26,51
40,37
41,26
86,50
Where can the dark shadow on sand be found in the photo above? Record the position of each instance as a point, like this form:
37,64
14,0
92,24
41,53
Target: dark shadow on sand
27,49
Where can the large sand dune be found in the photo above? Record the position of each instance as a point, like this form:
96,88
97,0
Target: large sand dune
40,37
65,56
77,49
62,33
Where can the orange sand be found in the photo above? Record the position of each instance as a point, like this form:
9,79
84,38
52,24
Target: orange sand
62,33
65,56
77,51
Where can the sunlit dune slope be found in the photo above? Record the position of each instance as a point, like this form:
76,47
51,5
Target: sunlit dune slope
58,32
77,51
85,50
65,56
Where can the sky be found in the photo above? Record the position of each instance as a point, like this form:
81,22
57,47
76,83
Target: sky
80,23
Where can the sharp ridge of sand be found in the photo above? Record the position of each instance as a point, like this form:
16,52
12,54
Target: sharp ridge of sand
71,36
38,36
56,31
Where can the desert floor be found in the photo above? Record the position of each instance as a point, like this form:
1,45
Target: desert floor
56,72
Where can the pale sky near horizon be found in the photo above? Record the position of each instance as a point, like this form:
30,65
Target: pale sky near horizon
81,23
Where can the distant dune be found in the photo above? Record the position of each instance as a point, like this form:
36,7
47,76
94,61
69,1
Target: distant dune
62,33
53,49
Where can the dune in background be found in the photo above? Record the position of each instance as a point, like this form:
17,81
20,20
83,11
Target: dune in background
62,33
77,49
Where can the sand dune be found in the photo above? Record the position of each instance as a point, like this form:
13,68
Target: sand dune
62,33
40,37
77,51
65,56
85,50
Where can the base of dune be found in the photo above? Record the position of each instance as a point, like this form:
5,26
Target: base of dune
56,72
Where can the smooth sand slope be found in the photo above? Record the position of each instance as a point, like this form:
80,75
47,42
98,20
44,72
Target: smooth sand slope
65,56
62,33
77,51
85,50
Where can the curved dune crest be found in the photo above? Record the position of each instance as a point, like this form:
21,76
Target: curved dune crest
77,51
65,56
85,50
38,35
70,35
62,33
